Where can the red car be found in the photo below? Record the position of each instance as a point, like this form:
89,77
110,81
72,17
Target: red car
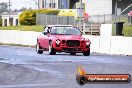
62,38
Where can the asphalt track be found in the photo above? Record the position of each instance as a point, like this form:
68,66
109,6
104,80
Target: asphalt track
22,67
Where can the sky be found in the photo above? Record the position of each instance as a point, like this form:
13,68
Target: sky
18,4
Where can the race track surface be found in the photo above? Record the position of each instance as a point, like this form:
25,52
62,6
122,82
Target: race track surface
22,67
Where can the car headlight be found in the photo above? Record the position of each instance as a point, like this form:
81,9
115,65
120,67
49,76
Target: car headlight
86,39
87,43
57,41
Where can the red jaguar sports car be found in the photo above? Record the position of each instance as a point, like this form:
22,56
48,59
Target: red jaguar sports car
62,38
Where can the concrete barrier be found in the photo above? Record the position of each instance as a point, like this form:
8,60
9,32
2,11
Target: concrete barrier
18,37
118,44
121,45
95,42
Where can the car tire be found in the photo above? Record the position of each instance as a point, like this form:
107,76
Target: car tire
73,53
51,49
39,48
86,53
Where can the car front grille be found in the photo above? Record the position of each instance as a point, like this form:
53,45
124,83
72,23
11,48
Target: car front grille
73,43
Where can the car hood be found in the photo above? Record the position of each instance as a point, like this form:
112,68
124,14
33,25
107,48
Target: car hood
68,37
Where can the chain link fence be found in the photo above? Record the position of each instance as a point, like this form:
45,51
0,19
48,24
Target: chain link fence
123,18
101,19
42,19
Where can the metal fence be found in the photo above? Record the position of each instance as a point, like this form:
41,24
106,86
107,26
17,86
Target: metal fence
101,18
123,18
42,19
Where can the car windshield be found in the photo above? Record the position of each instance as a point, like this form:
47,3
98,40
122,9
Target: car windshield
65,31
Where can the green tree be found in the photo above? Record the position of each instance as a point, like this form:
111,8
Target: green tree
3,7
28,17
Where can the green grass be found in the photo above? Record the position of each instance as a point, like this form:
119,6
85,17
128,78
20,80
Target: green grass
127,31
12,44
24,28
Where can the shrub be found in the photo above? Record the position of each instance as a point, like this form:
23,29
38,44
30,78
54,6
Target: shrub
28,17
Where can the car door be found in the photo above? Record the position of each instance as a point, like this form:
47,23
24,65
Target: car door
45,38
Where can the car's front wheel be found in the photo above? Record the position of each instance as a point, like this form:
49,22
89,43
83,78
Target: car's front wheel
86,53
39,48
51,49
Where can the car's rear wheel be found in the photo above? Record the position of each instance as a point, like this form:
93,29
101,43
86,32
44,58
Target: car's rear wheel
51,49
73,53
39,49
86,53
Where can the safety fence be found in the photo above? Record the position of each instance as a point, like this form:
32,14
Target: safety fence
42,19
122,18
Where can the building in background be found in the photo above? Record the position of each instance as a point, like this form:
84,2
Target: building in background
121,5
10,19
92,7
98,7
57,4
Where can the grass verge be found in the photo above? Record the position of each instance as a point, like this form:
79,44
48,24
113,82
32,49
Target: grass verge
127,31
24,28
12,44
